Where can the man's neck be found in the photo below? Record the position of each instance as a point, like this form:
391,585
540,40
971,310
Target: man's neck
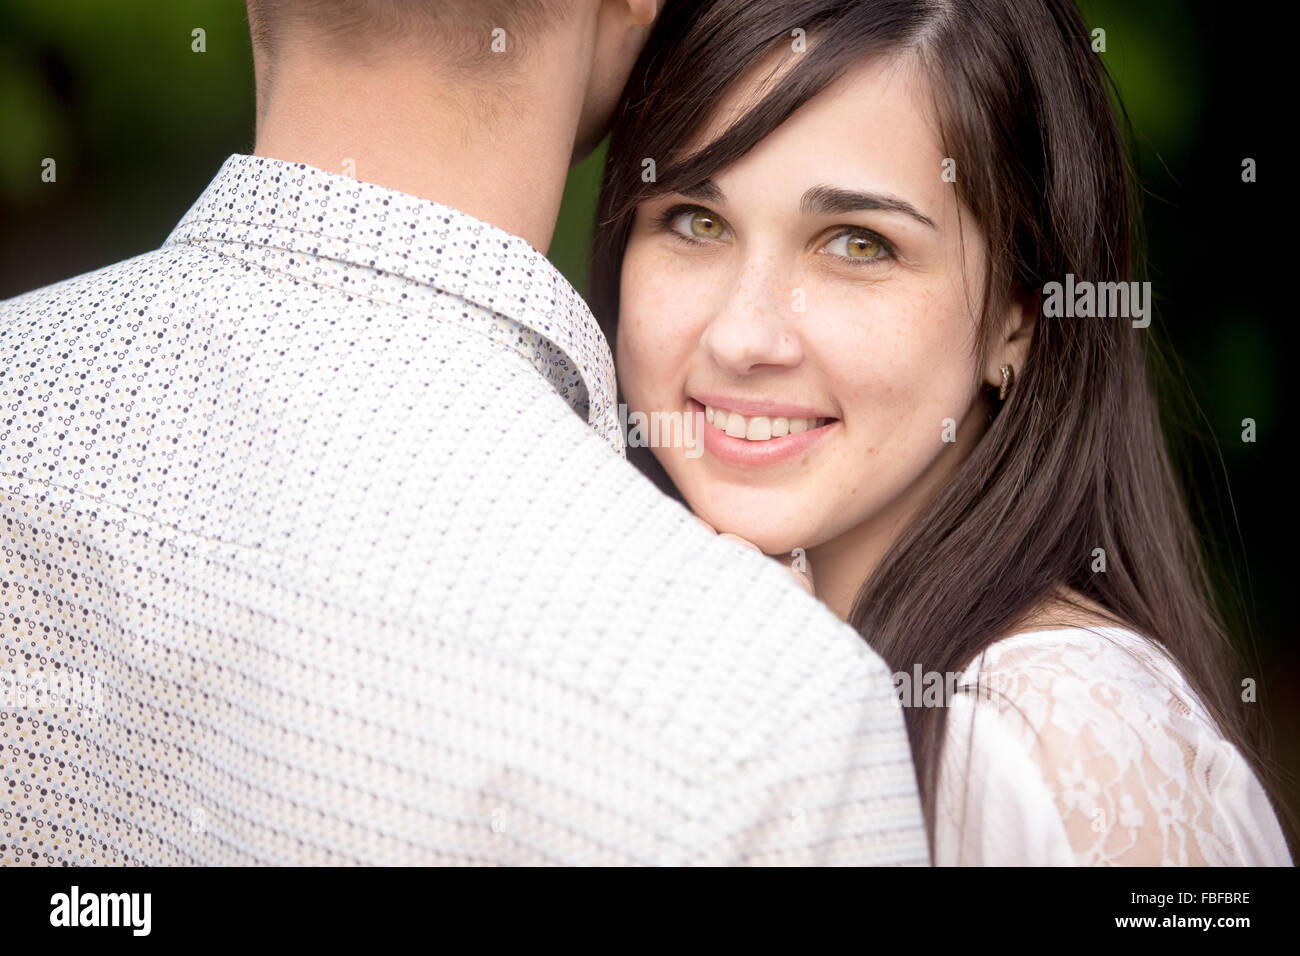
498,151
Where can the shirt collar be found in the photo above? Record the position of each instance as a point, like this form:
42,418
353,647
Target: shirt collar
270,202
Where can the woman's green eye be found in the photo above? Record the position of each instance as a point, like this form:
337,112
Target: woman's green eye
862,245
694,224
705,225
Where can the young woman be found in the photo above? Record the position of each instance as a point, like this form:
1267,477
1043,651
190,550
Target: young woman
829,225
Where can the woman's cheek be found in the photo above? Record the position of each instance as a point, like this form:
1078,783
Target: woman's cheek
636,310
899,371
657,333
640,366
924,340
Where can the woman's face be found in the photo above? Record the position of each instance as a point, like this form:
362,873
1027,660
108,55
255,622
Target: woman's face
821,278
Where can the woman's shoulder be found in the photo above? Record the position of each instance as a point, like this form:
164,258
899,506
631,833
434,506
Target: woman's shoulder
1107,679
1126,752
1066,609
1074,648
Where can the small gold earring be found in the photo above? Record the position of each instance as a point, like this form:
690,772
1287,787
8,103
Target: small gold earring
1008,379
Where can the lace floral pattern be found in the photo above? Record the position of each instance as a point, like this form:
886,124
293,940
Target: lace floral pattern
1089,747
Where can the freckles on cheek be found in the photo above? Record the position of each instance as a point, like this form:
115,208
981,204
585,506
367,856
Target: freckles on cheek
901,367
657,313
639,303
875,363
652,337
925,347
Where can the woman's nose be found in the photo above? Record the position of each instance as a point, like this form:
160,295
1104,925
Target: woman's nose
756,322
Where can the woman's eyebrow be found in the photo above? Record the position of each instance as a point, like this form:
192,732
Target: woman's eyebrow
822,200
706,190
831,200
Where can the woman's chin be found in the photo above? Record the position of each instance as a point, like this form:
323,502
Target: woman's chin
774,541
758,521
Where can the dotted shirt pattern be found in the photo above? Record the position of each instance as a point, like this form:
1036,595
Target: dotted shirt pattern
306,558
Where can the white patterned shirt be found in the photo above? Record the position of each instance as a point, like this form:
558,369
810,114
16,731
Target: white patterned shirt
318,546
1088,747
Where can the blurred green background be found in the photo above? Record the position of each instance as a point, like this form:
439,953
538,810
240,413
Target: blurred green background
138,123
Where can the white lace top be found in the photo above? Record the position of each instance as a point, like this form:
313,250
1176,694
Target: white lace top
1088,747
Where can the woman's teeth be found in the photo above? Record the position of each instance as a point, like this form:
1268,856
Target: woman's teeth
760,427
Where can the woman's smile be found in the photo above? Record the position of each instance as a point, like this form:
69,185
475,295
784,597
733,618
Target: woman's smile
759,441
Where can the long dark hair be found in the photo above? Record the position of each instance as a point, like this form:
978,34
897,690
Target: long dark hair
1075,459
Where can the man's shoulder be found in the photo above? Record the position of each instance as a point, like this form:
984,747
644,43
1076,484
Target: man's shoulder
644,589
41,297
153,283
421,470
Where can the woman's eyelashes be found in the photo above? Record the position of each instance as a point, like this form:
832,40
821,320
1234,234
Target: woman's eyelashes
696,225
693,224
860,247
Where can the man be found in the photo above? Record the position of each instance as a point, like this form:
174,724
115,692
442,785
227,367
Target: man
308,558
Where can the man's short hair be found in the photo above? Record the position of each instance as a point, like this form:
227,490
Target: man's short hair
465,29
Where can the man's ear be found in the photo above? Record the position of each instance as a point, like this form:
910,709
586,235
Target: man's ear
1012,345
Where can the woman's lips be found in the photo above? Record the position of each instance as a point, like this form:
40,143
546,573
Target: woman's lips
757,454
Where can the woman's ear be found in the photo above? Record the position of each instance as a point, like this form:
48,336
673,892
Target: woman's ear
1012,345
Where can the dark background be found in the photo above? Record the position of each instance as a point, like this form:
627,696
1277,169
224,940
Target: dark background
138,123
